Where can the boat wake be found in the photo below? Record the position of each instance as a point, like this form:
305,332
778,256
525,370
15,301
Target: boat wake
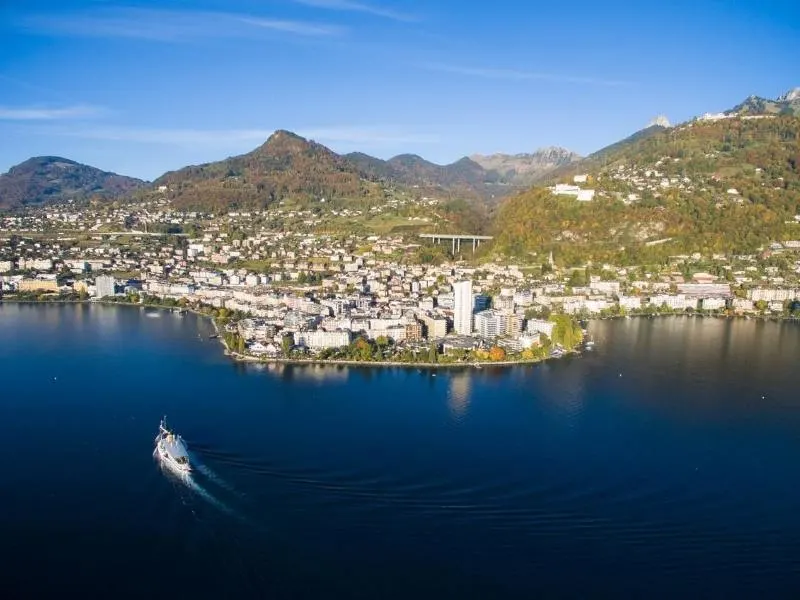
188,481
212,476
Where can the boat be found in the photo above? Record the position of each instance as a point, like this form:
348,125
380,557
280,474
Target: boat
171,449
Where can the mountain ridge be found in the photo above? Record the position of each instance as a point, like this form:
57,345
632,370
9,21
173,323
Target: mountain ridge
42,180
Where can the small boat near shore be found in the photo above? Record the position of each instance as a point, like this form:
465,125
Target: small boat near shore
171,449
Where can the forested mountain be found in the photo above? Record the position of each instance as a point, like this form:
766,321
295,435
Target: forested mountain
286,166
48,179
728,185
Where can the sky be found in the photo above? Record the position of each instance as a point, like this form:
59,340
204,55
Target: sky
142,87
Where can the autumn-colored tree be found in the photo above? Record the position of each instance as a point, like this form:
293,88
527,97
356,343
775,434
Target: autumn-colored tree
496,353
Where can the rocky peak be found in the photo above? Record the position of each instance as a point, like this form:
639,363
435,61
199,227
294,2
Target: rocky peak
660,121
284,142
790,96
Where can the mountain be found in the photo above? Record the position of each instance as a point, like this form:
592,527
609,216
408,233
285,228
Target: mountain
523,169
786,104
602,157
709,186
51,179
464,176
286,166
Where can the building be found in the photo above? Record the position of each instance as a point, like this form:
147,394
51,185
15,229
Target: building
480,302
504,303
413,332
490,323
772,295
37,285
462,307
104,286
705,290
712,303
630,302
435,327
6,266
319,340
540,326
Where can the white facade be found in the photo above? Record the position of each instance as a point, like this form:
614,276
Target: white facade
490,323
104,285
462,307
678,302
540,326
318,340
630,302
6,266
772,295
712,303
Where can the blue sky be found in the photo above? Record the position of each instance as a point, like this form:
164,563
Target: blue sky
142,87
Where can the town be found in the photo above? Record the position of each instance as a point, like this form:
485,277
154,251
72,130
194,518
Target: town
281,294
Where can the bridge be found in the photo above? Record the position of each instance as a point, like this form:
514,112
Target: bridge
456,239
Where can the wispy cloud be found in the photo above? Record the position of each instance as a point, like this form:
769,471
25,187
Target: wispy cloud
351,6
515,75
38,113
168,26
238,138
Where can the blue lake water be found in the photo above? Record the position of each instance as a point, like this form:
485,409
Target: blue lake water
664,464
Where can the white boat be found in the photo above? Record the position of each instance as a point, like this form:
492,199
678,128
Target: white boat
171,449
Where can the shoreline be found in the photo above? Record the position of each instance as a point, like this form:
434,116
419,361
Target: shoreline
477,365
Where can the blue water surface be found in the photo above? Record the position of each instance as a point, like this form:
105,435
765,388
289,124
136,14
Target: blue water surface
662,465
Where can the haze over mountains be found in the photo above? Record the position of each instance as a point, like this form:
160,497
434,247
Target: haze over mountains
287,165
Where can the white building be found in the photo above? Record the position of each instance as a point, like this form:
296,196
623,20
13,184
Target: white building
630,302
565,189
462,307
540,326
677,302
712,303
104,285
772,295
490,323
318,340
6,266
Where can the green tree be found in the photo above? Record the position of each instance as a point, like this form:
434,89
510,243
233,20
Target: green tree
433,354
287,342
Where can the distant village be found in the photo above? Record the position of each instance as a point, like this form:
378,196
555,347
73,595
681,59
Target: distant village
322,292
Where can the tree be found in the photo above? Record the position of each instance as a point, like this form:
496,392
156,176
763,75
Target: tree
496,353
577,278
761,305
433,354
287,342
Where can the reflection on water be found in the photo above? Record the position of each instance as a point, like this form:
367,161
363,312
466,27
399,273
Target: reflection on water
458,394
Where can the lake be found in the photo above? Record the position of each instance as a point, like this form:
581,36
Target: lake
661,465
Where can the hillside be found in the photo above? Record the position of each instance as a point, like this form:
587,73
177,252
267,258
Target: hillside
51,179
286,166
600,158
524,169
729,185
786,104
